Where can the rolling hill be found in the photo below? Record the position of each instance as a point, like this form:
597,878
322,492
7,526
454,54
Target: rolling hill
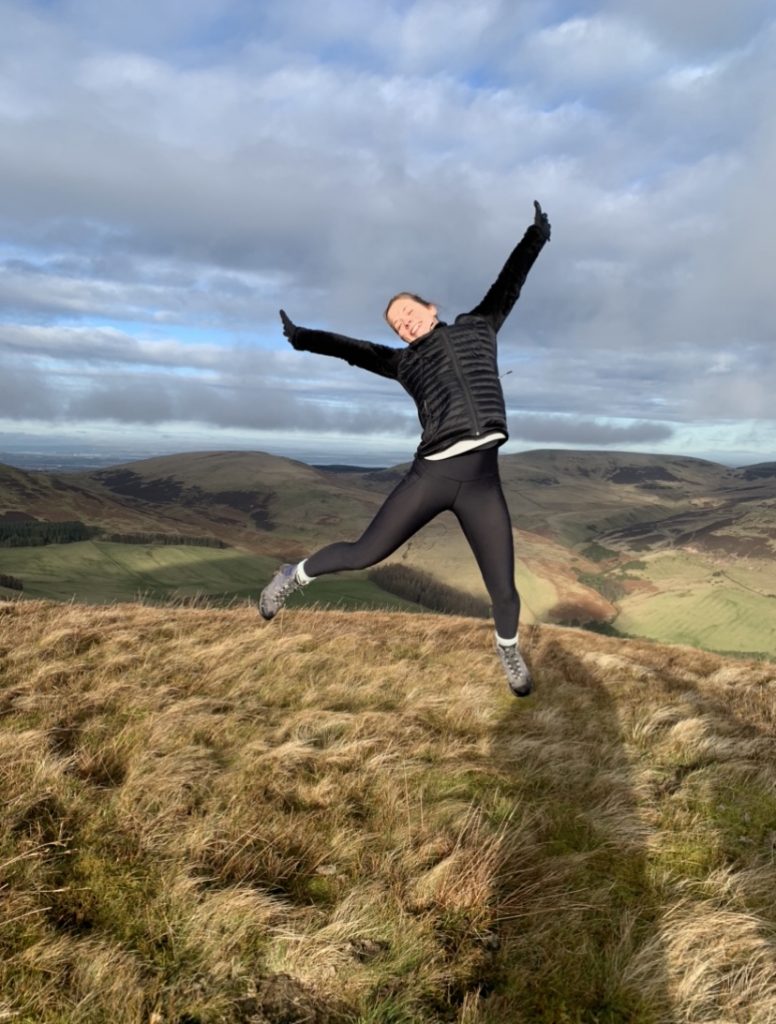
266,503
669,547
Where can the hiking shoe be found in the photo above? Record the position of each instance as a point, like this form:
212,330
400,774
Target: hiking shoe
518,676
278,590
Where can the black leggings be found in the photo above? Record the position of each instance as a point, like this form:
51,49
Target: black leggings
469,486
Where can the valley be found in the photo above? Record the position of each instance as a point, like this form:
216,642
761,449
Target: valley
671,548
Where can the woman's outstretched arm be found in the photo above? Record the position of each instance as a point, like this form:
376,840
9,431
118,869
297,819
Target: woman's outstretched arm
381,359
505,290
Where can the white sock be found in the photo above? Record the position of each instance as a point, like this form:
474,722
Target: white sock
507,643
301,575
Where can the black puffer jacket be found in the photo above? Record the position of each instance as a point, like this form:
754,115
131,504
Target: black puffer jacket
451,372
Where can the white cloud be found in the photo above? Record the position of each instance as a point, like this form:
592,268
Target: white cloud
597,50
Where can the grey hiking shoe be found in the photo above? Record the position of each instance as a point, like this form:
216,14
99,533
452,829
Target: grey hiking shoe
278,590
516,670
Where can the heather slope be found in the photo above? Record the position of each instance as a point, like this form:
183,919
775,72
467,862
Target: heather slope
345,817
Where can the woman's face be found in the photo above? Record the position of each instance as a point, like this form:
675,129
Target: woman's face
411,319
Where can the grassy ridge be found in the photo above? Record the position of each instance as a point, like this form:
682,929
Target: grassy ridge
345,818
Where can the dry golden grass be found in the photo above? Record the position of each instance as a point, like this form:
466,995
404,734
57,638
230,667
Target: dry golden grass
345,817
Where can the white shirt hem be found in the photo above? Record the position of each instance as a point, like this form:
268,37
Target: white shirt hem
465,446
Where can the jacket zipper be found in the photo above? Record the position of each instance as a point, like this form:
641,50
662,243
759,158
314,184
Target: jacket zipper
474,418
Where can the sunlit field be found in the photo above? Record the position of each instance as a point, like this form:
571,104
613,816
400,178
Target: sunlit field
101,572
691,600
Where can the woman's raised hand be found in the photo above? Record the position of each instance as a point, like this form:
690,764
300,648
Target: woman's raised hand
289,327
541,221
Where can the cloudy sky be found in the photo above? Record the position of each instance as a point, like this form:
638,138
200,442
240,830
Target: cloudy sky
171,173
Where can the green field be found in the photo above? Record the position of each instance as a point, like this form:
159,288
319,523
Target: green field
697,602
692,602
101,572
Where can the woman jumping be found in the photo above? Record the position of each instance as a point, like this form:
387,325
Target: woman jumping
451,372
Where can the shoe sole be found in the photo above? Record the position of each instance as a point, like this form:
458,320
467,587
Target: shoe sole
522,692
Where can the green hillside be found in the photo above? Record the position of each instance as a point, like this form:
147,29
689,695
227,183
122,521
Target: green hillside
269,503
100,572
693,600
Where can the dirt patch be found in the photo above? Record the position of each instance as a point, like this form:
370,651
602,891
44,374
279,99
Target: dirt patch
281,999
261,515
579,612
642,475
761,472
162,491
691,536
168,491
742,547
633,586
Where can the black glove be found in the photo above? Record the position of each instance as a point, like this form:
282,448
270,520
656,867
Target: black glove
289,328
541,222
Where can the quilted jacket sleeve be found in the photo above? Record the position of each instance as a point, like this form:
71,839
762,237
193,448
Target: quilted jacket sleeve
380,359
505,290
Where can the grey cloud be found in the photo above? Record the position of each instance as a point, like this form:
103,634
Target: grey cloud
683,385
698,26
135,288
25,393
572,431
737,393
105,345
227,403
113,23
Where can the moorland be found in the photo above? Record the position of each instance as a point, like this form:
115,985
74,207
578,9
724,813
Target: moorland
345,818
